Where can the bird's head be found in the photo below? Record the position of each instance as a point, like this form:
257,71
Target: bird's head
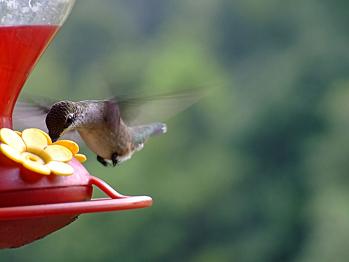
60,118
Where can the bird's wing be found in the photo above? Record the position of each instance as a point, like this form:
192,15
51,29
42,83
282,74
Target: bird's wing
31,113
146,109
134,110
112,114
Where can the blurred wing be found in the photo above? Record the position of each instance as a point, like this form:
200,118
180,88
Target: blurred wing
143,110
133,110
30,114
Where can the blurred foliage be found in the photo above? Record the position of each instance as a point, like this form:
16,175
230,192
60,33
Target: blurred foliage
257,171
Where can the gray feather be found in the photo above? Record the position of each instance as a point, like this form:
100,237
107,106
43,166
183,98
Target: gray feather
141,133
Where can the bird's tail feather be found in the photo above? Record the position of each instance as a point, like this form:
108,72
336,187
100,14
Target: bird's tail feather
141,133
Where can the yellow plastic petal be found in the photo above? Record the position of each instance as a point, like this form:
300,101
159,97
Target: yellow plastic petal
11,138
36,167
71,145
18,133
33,157
34,137
80,157
48,138
60,168
59,153
41,153
11,153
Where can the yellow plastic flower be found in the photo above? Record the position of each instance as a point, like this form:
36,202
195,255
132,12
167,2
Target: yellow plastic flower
33,148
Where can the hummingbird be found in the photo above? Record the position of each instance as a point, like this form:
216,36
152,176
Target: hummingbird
100,125
108,126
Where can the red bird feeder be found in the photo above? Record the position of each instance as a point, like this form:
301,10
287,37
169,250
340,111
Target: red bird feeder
33,208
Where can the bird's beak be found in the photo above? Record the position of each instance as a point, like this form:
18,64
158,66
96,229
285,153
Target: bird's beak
53,137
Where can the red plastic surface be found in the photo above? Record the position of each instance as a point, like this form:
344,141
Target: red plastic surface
115,202
18,232
23,224
20,48
20,225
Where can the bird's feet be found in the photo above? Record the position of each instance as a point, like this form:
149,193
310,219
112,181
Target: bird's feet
102,161
114,159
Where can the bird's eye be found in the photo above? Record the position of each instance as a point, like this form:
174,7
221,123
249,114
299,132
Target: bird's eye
69,120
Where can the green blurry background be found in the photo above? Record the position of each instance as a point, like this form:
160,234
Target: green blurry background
257,171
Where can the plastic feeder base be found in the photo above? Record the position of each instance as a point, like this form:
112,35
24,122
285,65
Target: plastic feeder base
19,232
